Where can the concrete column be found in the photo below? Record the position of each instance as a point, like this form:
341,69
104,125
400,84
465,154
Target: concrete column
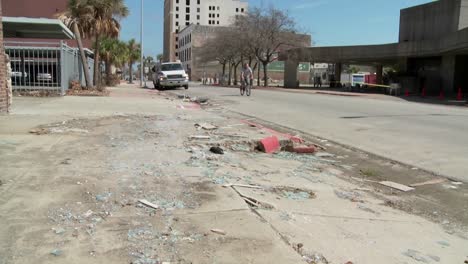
338,70
447,74
290,74
379,73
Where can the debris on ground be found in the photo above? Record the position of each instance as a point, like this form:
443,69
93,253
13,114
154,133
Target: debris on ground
103,197
324,155
199,137
416,255
199,100
217,150
218,231
397,186
56,252
269,145
430,182
58,231
352,196
443,243
149,204
66,162
304,149
293,193
242,185
205,126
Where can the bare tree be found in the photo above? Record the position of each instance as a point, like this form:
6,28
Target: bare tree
268,31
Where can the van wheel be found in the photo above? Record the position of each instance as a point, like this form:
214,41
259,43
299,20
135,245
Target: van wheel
186,87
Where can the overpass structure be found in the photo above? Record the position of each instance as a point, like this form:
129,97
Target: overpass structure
432,50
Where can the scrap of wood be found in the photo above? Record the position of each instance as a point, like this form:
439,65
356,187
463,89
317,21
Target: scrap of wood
397,186
206,126
149,204
219,231
242,185
319,146
256,202
435,181
200,137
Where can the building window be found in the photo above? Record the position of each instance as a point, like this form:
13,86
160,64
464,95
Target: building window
176,46
176,8
209,8
187,17
218,8
177,23
237,10
187,23
198,10
218,15
176,15
187,2
187,10
177,54
177,31
177,1
209,22
176,38
198,17
217,22
242,10
198,1
209,15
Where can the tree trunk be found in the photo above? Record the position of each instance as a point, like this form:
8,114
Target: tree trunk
130,72
265,73
230,71
258,75
84,60
96,62
235,74
224,69
108,72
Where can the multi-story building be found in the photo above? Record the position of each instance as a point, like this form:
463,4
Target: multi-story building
179,14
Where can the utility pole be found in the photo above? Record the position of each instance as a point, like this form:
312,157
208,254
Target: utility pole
142,66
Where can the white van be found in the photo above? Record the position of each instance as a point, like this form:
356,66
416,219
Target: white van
170,75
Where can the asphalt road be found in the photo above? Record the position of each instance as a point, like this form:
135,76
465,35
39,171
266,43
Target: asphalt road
431,137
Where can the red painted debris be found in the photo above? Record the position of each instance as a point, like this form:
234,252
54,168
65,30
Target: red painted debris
305,149
270,144
274,132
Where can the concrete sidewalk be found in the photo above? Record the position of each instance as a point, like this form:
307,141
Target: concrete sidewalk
70,194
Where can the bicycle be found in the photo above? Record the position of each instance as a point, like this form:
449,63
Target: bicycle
247,89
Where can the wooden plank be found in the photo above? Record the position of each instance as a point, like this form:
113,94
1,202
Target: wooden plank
218,231
242,185
149,204
431,182
397,186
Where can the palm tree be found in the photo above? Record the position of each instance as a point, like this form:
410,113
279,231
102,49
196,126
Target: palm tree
107,14
133,55
113,52
79,19
159,57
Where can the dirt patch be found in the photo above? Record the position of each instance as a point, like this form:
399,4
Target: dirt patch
293,193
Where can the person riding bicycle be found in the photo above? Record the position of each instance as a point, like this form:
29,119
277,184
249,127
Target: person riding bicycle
247,75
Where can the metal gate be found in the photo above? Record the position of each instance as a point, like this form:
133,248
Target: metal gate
47,66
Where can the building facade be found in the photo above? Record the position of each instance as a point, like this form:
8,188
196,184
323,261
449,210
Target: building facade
179,14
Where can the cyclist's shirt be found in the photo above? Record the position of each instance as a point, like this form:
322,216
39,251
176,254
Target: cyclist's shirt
247,73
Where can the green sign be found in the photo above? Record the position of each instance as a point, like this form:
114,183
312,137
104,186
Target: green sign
278,66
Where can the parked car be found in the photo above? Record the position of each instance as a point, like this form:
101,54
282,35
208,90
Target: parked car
44,77
170,74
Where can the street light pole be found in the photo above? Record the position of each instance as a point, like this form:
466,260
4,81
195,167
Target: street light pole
142,66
